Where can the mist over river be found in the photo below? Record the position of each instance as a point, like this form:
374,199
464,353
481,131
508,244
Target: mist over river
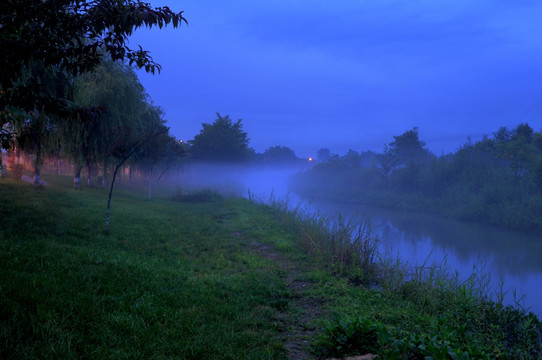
508,257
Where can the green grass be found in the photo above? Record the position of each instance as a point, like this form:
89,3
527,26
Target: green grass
169,280
188,279
378,306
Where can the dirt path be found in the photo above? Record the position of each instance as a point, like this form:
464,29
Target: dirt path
305,308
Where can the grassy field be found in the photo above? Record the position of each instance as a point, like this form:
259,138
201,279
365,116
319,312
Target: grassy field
206,277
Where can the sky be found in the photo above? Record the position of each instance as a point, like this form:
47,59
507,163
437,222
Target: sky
349,74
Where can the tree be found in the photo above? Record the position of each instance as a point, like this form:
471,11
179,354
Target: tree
280,155
127,141
222,141
116,89
161,153
352,158
520,150
387,161
6,140
323,154
32,133
408,149
73,36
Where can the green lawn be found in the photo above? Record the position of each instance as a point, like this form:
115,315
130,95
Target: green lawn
170,280
210,278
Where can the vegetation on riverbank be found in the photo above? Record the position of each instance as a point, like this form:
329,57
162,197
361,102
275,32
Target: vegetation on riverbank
496,180
223,278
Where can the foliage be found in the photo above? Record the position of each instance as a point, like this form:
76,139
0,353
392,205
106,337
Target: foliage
5,138
496,181
126,119
280,155
359,335
408,149
355,336
323,154
70,37
48,47
222,141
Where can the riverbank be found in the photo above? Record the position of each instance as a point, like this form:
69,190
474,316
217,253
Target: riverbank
218,278
484,191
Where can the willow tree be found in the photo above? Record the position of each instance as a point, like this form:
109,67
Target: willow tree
115,88
68,37
127,122
36,129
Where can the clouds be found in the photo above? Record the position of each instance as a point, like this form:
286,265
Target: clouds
308,74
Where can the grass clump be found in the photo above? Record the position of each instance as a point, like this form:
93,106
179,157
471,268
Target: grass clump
349,246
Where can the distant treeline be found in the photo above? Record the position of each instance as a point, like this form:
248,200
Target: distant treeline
496,180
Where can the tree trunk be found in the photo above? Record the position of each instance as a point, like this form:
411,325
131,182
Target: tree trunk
89,183
119,165
37,164
109,198
150,183
105,177
58,160
162,174
131,173
77,176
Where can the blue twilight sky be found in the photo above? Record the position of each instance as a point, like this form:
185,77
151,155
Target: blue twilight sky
349,74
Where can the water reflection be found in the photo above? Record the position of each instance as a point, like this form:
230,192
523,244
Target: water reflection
508,256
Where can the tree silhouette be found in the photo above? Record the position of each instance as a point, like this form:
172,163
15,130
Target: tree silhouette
222,141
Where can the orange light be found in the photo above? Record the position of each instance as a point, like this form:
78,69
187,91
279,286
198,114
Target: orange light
310,159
